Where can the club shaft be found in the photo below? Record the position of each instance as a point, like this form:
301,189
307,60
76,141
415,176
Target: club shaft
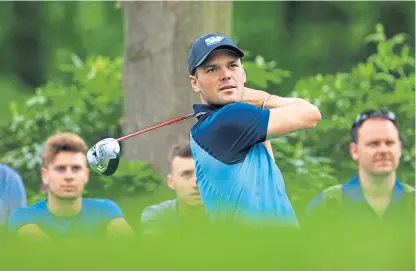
187,116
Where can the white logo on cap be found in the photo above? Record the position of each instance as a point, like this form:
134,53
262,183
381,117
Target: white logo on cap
213,40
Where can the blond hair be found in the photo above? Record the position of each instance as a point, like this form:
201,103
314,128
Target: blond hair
62,142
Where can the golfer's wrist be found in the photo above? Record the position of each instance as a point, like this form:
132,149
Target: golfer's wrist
271,101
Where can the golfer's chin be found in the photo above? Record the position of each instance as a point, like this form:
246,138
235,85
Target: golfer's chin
225,99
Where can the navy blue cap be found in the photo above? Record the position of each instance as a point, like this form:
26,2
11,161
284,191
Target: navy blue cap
205,45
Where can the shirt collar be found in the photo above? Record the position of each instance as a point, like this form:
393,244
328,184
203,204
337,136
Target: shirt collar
202,109
352,190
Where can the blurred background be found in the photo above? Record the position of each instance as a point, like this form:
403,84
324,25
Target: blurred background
81,67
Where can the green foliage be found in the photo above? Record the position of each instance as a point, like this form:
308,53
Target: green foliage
310,161
91,107
316,37
319,158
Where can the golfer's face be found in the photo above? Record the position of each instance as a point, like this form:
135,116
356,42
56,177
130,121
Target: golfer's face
220,79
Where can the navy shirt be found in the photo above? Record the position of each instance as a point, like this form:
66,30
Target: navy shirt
92,221
236,176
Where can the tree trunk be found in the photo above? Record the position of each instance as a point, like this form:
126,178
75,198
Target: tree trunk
158,37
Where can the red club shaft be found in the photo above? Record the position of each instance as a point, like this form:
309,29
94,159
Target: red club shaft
187,116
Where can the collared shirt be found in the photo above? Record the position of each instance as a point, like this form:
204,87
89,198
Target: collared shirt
353,208
166,218
236,176
12,193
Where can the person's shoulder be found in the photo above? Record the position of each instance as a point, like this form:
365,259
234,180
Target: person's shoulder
408,188
227,117
35,207
240,107
333,193
27,214
101,209
99,203
6,169
7,174
160,210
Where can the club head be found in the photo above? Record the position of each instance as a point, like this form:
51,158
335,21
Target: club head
104,157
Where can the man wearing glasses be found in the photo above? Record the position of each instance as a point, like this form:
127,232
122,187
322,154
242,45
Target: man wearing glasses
375,194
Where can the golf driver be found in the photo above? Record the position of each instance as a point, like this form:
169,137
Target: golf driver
104,156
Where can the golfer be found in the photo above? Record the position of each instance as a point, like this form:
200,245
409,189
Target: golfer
235,171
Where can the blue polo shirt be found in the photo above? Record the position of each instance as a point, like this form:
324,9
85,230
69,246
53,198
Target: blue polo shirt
353,205
237,178
91,222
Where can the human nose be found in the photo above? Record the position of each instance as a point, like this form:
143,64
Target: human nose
68,174
225,74
383,148
193,180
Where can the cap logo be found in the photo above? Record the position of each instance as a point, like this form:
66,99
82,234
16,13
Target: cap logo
213,40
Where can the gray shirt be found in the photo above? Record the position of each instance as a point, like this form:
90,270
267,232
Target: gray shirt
159,216
166,218
12,193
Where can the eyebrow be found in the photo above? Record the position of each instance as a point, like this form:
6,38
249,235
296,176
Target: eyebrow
187,170
215,65
66,165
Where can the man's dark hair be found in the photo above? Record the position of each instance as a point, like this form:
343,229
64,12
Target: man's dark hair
181,149
371,114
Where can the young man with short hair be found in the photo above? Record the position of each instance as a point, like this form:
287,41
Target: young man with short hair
179,214
65,214
235,171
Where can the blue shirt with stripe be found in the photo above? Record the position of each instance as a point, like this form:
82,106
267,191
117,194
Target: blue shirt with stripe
92,221
236,176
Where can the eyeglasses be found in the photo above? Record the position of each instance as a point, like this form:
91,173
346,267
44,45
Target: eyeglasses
384,114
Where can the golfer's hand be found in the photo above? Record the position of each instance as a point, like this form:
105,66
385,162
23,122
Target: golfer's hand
254,97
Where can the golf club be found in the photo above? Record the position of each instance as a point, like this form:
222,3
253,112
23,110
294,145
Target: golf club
104,156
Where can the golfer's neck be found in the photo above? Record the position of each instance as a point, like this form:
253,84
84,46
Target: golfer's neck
62,207
377,186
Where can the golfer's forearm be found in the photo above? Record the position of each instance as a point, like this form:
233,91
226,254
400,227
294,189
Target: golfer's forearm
275,102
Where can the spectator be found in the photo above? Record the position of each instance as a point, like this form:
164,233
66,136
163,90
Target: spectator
375,195
65,214
12,193
369,221
179,214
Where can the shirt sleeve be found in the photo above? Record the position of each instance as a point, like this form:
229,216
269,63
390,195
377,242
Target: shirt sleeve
229,133
157,219
112,210
148,221
17,193
315,203
19,217
12,193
